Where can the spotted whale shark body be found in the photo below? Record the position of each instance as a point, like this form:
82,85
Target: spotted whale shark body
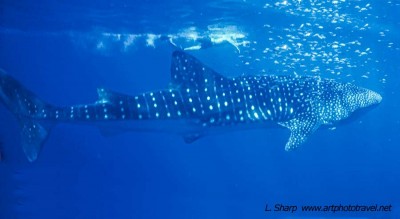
201,101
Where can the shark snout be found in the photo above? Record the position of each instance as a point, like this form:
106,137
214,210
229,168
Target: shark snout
374,97
367,97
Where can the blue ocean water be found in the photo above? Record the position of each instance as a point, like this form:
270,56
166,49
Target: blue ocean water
64,50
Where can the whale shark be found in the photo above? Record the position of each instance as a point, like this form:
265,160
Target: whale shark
197,102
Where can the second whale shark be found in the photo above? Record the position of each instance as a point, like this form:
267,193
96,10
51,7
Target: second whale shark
198,102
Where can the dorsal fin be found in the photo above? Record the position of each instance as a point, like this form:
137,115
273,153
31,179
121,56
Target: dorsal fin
103,95
189,72
107,96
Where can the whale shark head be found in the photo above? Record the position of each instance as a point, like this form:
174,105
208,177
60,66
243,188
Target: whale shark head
343,99
359,97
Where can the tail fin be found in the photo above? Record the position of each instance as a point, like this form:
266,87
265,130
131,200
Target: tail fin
30,112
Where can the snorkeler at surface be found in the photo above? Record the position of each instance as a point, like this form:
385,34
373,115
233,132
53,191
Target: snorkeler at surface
204,42
188,44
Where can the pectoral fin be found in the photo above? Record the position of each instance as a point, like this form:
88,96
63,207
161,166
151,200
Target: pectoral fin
300,130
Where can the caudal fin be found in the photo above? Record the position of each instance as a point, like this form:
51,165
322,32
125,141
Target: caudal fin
28,109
